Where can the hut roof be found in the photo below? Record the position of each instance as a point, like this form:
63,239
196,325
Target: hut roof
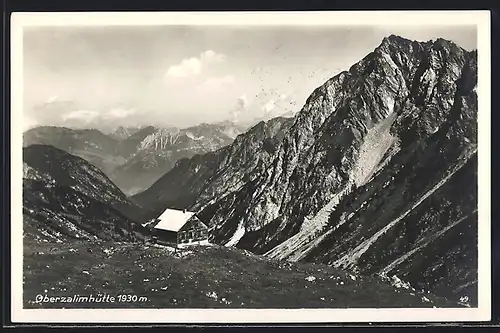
173,219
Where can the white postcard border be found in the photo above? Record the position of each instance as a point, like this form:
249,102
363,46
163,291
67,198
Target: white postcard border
396,18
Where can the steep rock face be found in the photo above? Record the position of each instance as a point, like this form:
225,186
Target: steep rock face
196,181
345,130
66,197
318,155
416,217
393,135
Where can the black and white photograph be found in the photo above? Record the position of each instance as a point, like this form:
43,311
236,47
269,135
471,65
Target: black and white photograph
250,167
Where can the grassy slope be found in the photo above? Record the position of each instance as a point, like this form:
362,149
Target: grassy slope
201,277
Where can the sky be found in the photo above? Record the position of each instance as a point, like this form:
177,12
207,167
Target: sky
104,77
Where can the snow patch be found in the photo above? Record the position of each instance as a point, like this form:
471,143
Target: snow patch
238,234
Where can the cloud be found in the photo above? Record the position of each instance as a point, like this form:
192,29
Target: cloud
217,82
96,117
265,105
52,99
269,106
194,65
73,117
187,67
242,101
241,106
210,56
119,113
86,116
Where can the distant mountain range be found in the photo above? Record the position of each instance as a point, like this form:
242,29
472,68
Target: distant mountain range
122,132
135,157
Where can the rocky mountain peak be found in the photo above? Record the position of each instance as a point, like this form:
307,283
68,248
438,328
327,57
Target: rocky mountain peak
382,119
161,138
395,40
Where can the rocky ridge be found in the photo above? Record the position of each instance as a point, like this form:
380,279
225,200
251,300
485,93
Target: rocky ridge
370,161
65,197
